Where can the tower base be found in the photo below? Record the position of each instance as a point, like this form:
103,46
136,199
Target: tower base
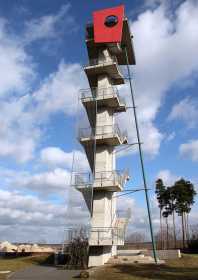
99,255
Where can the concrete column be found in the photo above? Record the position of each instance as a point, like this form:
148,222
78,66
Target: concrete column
104,202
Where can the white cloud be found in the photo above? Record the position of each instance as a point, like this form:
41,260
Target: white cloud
27,218
16,67
20,209
166,54
16,75
190,149
186,110
21,117
54,156
50,26
59,92
151,137
139,215
170,136
18,132
54,181
167,176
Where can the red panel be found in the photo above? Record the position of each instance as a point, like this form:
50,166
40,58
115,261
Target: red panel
103,33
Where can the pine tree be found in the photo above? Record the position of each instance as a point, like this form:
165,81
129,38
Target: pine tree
184,195
159,190
171,206
167,211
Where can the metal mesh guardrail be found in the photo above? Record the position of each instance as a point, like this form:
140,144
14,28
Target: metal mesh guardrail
86,179
105,130
101,235
95,235
102,61
102,93
105,61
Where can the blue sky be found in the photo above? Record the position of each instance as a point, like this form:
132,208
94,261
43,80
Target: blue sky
42,53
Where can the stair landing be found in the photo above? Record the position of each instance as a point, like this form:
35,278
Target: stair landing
136,257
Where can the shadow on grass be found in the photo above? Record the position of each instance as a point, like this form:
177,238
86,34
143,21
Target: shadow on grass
43,260
163,272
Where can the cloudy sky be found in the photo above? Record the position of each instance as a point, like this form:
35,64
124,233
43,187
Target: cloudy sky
42,53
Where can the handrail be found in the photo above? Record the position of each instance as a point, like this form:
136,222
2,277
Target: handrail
90,132
103,92
96,91
103,61
87,178
95,234
99,234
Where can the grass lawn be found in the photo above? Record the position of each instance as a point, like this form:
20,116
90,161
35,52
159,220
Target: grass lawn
19,263
185,268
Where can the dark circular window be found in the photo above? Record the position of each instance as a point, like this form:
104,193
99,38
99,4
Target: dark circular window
111,21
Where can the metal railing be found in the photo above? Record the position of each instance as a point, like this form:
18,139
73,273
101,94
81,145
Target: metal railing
95,235
106,61
84,179
102,61
102,178
124,214
100,235
104,130
102,93
80,232
109,178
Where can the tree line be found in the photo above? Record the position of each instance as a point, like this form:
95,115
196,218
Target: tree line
174,200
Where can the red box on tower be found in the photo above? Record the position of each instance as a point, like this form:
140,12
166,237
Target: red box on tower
110,28
108,25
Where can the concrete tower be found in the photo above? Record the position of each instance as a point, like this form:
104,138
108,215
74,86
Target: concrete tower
108,42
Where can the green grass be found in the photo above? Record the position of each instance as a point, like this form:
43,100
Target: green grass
185,268
20,263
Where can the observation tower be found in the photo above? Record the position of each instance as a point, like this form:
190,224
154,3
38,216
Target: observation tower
109,46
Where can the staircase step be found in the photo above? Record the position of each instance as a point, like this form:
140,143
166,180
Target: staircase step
131,259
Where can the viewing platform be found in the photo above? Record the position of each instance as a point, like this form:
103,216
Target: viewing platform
106,135
108,66
94,98
107,180
108,96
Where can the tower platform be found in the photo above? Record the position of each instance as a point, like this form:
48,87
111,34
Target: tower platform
99,67
105,180
95,98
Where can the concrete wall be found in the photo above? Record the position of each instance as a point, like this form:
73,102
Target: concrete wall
98,255
103,209
104,158
166,254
